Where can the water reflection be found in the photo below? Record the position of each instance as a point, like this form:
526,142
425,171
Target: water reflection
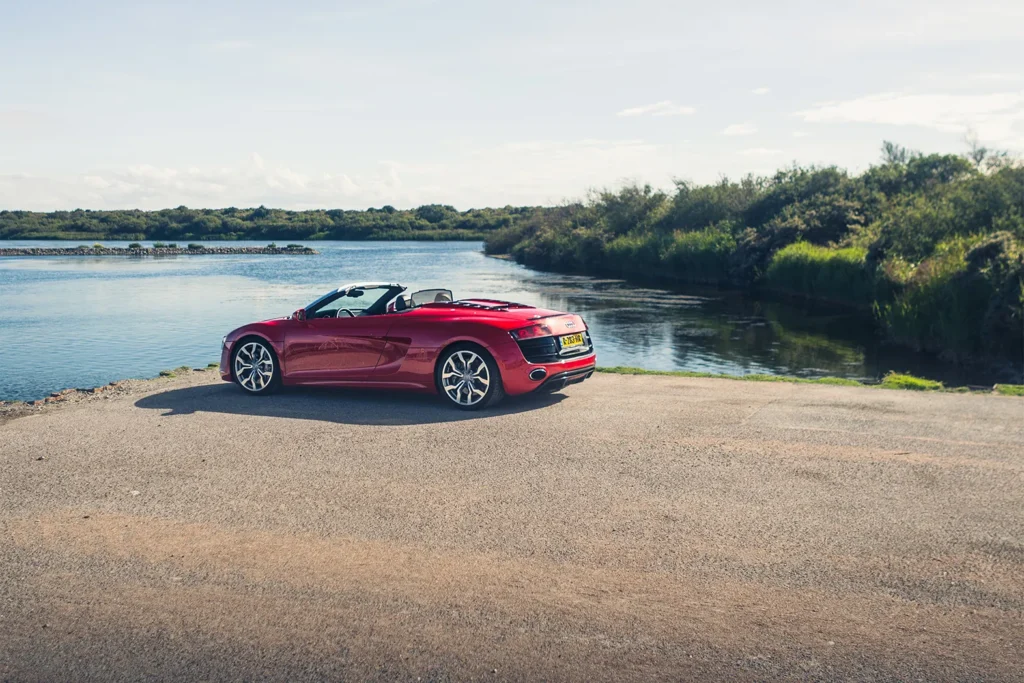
80,321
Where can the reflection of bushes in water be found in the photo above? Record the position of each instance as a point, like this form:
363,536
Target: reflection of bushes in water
785,346
804,349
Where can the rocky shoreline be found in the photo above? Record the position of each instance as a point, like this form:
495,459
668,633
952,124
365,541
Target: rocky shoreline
152,251
12,409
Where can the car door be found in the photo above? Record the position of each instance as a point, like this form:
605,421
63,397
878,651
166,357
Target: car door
335,349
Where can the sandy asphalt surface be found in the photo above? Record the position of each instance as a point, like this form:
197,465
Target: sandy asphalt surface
632,528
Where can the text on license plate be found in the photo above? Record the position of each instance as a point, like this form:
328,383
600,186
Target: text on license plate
571,340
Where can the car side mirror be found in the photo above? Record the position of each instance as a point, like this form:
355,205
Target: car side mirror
299,315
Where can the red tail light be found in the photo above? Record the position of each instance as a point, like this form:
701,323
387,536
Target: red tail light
531,332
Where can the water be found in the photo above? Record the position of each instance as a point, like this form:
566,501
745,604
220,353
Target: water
81,321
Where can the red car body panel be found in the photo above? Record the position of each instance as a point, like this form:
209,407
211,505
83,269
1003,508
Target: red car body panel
400,350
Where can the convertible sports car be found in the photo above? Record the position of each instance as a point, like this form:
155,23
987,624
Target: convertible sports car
472,351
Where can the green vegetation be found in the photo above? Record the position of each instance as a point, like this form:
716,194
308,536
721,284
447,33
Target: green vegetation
933,245
895,380
430,222
890,381
213,365
176,371
135,245
818,272
192,246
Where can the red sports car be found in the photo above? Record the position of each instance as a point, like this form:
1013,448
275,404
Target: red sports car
471,351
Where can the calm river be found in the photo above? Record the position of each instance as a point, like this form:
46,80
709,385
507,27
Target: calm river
81,321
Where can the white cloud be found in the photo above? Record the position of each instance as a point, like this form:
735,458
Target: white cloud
761,91
740,129
522,173
152,187
996,117
801,134
663,108
760,151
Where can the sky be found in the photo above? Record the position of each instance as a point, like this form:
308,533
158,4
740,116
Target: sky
302,105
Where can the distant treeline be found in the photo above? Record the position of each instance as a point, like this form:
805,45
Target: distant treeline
932,244
430,222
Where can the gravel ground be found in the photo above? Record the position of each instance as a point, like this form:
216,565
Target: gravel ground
632,528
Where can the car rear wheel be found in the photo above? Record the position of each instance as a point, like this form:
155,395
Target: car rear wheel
254,366
468,378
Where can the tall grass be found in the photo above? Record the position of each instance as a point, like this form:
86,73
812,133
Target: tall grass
700,256
940,308
815,272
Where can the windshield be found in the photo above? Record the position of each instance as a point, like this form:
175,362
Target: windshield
430,296
357,301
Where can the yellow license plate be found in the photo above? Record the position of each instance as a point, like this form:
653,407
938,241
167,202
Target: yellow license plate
571,340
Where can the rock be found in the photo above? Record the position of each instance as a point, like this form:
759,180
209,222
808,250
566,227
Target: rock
37,403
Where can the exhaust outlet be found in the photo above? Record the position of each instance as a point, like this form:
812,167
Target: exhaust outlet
538,374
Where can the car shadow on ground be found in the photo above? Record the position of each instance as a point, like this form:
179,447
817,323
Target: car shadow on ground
344,406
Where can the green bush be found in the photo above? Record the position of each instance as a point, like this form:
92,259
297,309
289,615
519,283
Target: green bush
967,299
272,245
294,246
97,246
1010,389
700,256
635,254
135,245
192,246
159,245
838,275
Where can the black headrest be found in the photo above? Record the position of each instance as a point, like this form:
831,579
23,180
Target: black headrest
401,303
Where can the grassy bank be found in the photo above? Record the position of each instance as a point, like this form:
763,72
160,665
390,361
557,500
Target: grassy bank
893,380
933,245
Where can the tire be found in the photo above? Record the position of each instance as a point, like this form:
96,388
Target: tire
479,387
251,362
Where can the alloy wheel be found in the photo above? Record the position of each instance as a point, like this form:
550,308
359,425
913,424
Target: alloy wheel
465,378
254,366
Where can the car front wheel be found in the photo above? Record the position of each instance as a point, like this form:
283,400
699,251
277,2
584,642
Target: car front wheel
468,378
254,366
